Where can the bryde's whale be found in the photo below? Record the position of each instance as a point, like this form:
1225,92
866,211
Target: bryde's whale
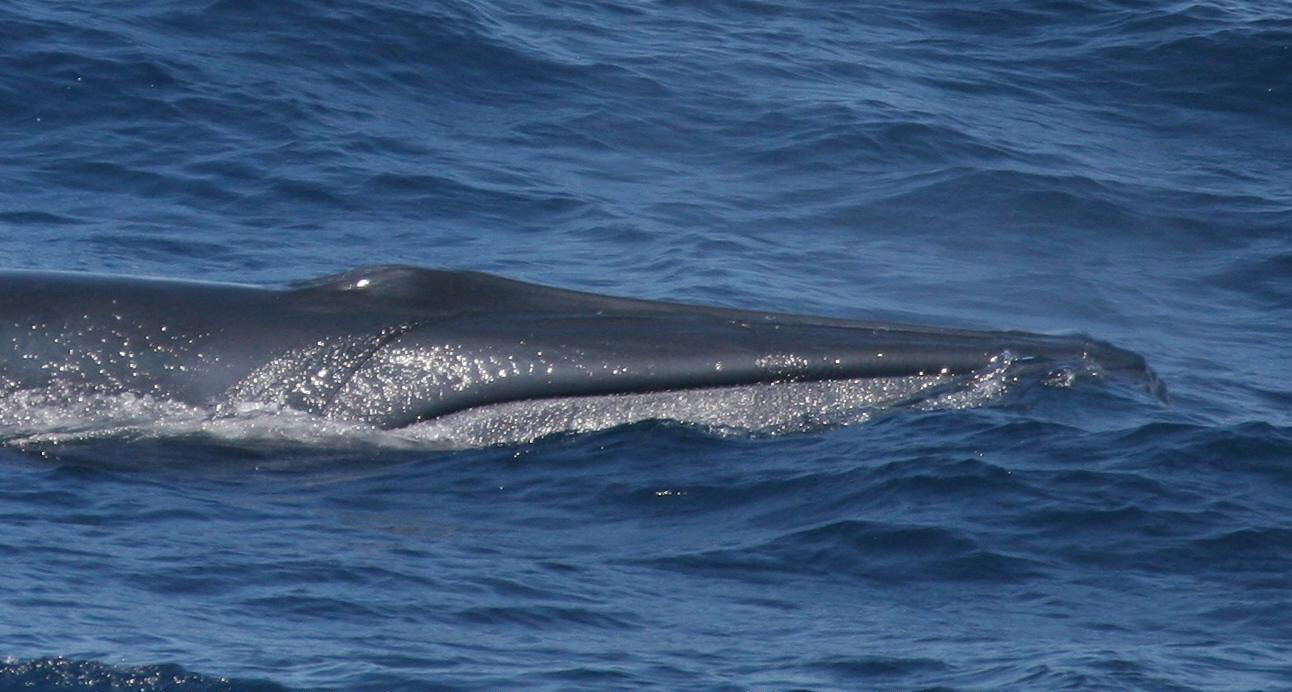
391,346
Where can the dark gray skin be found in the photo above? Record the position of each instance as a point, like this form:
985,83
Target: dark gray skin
393,345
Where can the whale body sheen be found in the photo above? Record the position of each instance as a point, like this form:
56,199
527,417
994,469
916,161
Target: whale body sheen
392,345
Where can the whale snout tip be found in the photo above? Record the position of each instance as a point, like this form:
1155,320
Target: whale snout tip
1127,364
1155,386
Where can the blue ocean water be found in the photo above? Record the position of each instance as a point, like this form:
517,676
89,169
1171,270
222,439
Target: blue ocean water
1112,167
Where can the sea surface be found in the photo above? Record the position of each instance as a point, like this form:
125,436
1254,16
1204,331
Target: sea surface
1116,168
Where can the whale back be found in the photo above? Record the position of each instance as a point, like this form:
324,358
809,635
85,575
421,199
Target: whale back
393,345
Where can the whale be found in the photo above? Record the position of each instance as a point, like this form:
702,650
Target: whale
392,346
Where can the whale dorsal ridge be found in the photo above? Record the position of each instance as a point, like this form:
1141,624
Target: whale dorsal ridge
431,291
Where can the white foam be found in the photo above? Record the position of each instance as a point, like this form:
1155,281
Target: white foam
40,417
768,409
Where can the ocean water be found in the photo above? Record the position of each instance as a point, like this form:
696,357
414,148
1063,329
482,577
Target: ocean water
1116,168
